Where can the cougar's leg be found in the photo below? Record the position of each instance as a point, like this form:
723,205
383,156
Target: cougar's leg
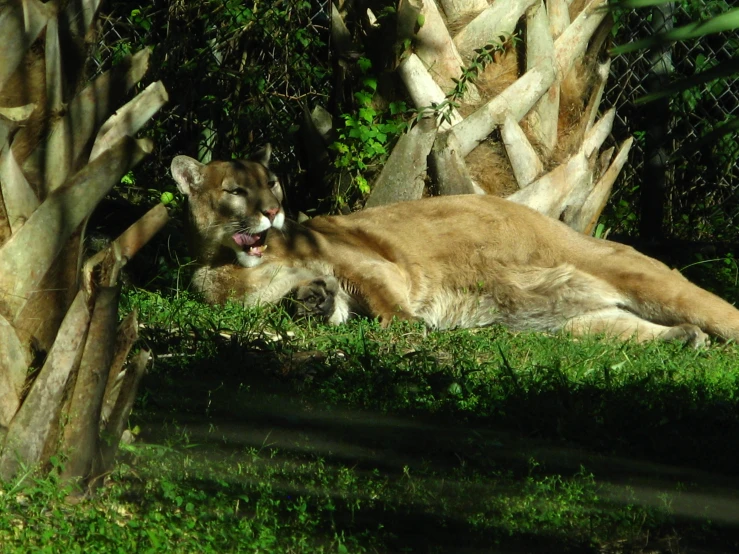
668,298
383,288
623,325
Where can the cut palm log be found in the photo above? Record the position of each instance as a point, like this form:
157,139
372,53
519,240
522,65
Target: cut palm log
61,152
543,118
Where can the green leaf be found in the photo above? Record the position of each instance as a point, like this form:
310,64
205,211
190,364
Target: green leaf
730,126
378,149
362,184
724,69
366,133
397,107
368,114
363,98
370,83
420,20
364,64
728,21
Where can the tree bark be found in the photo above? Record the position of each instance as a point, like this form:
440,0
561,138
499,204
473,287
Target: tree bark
39,413
80,437
541,116
29,254
524,160
499,19
52,176
403,175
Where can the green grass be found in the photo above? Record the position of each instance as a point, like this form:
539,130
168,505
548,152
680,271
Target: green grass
257,434
182,500
165,499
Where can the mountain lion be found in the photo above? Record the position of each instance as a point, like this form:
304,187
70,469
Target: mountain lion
453,261
232,205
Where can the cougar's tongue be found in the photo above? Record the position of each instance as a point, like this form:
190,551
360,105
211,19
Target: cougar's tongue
252,244
242,239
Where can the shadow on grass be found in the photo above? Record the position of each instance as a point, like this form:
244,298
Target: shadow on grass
653,444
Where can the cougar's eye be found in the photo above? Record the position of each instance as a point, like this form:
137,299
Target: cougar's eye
235,192
273,184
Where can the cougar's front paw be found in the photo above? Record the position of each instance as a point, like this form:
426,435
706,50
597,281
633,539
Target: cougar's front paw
688,334
316,298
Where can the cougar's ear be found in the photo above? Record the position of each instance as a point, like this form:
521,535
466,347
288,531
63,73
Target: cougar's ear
188,173
262,155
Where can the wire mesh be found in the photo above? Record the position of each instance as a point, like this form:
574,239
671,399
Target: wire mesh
239,73
236,81
702,200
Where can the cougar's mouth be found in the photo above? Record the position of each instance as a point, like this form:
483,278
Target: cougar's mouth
253,245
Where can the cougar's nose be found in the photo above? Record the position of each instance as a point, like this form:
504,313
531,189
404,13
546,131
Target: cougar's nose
271,213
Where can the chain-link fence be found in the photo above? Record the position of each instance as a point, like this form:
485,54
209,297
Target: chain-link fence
238,78
701,186
239,74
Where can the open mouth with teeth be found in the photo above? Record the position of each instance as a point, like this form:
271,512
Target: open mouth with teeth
253,245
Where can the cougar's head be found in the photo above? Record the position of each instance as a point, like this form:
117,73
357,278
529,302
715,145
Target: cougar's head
232,203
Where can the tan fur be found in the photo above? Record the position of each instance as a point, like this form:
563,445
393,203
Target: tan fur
465,261
227,200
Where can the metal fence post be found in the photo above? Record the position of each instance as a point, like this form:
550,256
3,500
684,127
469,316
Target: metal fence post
657,126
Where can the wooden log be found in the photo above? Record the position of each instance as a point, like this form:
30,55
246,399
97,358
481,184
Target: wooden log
521,96
42,313
19,198
559,16
126,336
516,100
586,217
13,200
341,38
573,86
15,115
598,133
454,9
549,193
65,151
603,71
435,48
568,186
83,13
33,424
574,41
53,66
543,118
447,165
111,436
11,118
127,244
